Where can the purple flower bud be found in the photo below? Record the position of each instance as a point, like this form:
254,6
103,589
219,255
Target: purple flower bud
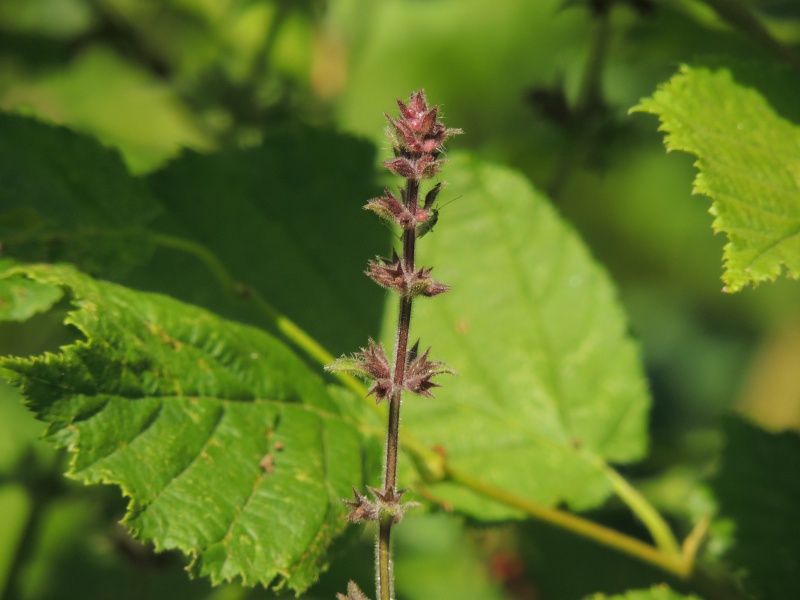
420,370
401,166
417,135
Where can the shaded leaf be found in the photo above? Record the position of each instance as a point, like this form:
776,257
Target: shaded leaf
758,489
21,298
64,197
214,430
435,557
286,219
550,385
549,558
748,159
661,592
19,435
79,548
131,110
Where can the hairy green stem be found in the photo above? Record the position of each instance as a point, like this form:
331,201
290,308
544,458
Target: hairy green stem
384,561
384,566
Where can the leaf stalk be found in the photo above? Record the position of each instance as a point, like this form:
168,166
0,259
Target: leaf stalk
681,565
599,533
650,517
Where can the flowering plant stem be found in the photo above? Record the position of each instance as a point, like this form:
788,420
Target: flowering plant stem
417,138
384,565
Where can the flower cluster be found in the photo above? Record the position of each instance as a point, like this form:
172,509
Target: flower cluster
362,509
372,364
397,210
417,138
394,274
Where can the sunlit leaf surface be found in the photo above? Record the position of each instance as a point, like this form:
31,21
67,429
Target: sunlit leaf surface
550,384
749,161
228,447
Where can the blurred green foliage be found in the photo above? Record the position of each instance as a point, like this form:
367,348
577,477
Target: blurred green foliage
541,86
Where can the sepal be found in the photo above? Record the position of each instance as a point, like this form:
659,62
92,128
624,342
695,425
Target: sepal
393,274
423,167
353,593
371,364
420,371
390,208
362,509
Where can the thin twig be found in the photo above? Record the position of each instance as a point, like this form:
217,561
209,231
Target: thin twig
743,19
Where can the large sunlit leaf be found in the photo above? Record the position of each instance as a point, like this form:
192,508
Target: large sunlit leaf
228,447
758,489
64,197
550,383
748,156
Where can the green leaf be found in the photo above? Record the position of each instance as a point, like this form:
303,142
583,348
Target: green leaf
661,592
78,547
550,384
748,159
434,558
15,507
758,489
120,102
229,448
286,219
64,197
21,298
550,556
